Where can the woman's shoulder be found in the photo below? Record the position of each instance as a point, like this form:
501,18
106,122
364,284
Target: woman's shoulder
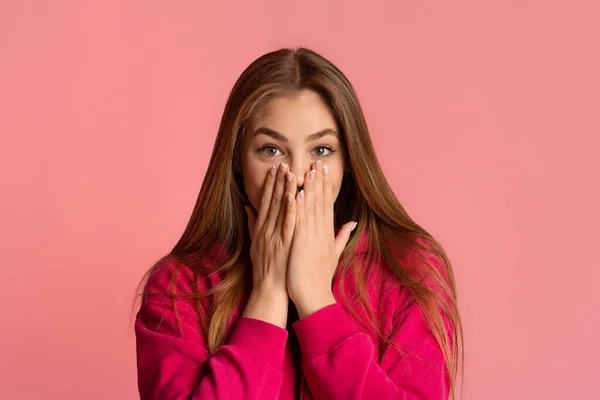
176,275
424,273
416,258
389,284
177,280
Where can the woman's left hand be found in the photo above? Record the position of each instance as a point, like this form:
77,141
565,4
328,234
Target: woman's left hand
315,250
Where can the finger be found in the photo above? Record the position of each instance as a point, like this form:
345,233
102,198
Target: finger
289,221
300,223
309,198
276,198
342,237
328,198
251,214
265,201
289,188
319,209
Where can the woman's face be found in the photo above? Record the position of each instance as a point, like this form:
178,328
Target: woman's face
298,131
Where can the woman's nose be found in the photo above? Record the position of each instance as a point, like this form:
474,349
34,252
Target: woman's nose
299,171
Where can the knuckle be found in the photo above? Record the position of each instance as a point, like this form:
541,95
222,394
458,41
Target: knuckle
261,233
273,241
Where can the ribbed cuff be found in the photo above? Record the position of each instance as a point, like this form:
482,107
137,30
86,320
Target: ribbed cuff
260,340
320,332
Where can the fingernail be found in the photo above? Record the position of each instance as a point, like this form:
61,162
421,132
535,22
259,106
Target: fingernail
282,168
301,194
354,227
311,176
326,170
289,177
273,171
319,165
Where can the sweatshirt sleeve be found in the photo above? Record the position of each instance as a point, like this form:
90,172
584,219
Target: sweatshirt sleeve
173,360
340,362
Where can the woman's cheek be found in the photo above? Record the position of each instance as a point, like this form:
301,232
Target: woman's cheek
337,184
257,193
253,190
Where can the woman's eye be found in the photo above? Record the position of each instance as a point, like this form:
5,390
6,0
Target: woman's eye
321,151
272,153
323,148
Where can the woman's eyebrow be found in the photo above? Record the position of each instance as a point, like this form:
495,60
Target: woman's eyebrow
278,136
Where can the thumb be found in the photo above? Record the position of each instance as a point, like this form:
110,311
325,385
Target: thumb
343,236
251,220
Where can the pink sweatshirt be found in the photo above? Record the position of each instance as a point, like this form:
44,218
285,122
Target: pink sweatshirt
340,359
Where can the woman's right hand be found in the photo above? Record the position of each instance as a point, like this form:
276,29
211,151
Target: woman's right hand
271,233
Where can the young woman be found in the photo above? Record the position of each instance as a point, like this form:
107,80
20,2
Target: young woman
299,274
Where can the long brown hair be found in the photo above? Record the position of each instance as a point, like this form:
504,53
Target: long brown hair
219,219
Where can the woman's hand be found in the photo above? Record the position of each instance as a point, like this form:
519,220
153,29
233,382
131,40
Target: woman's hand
271,235
315,250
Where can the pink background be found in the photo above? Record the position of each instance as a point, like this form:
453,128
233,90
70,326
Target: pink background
485,116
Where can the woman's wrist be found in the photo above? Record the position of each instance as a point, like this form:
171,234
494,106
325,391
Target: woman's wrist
268,305
308,307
